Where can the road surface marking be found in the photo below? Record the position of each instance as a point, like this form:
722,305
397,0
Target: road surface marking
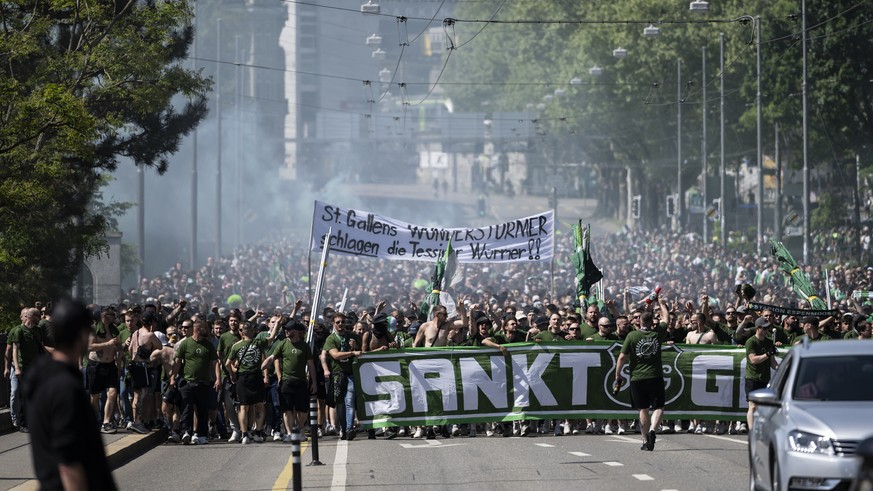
580,454
431,444
619,438
728,439
544,445
613,464
284,479
338,483
669,490
644,477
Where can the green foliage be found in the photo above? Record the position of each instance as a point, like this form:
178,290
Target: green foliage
830,212
83,86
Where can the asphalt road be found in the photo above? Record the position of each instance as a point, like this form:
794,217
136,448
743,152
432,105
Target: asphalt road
679,462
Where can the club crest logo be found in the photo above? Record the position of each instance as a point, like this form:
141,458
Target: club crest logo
674,382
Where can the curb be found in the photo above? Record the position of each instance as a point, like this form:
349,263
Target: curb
5,421
118,453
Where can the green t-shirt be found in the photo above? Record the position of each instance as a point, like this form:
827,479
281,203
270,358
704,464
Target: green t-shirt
294,357
403,339
821,337
249,354
549,337
123,336
225,342
643,348
759,372
196,357
608,337
851,334
30,344
585,331
723,333
341,343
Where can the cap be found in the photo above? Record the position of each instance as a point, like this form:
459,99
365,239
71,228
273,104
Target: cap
380,318
519,315
762,322
810,320
541,321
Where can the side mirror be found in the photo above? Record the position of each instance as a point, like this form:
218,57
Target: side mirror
765,397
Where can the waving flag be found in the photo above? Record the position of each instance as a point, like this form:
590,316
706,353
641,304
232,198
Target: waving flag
587,273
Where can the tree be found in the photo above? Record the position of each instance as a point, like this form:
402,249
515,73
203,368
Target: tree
83,87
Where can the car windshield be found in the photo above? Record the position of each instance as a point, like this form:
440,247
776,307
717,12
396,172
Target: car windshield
835,378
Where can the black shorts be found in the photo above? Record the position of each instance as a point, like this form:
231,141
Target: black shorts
294,396
101,376
250,388
648,393
140,375
753,385
172,396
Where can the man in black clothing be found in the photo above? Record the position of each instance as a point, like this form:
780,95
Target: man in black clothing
66,445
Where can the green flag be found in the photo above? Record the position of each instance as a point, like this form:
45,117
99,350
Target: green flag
799,282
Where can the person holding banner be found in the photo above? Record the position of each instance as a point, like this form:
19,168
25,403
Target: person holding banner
642,351
342,347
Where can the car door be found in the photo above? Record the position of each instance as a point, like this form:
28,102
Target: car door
767,419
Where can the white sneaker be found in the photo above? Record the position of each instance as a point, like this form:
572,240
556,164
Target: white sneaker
591,429
743,428
234,437
525,430
256,437
277,435
380,432
199,440
516,431
456,430
620,430
677,427
707,428
607,430
419,432
402,431
246,440
698,430
186,439
567,429
733,429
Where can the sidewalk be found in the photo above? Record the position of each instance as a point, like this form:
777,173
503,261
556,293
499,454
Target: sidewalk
16,467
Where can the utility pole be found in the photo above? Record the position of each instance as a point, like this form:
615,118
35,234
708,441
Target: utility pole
218,138
237,125
777,207
193,244
679,210
760,239
140,221
703,155
723,203
805,138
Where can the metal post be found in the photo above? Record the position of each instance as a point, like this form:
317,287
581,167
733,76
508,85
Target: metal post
140,222
857,194
760,239
218,138
297,481
777,207
313,430
237,185
805,139
723,203
703,156
679,194
193,231
552,262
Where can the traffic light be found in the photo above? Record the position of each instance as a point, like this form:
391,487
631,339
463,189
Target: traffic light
553,199
635,207
671,206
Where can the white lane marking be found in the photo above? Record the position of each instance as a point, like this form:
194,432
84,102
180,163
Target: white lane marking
619,438
580,454
338,483
669,490
544,445
644,477
728,439
613,464
431,444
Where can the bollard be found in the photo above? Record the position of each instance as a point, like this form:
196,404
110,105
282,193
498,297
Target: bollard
313,430
295,459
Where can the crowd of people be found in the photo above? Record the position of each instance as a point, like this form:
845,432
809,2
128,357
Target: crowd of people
221,352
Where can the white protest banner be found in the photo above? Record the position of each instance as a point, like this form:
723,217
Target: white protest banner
365,234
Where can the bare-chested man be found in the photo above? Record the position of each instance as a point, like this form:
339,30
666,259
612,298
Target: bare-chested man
436,331
699,334
169,405
378,339
104,348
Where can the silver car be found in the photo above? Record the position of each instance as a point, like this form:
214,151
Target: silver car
810,419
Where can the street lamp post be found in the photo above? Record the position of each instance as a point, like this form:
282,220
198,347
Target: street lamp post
703,156
805,138
218,142
679,200
760,109
193,231
723,203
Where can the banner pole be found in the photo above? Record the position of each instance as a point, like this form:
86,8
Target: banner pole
310,340
828,286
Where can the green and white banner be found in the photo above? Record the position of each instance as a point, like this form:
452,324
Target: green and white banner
434,386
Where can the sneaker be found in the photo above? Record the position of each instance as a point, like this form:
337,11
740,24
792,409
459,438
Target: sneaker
456,430
234,437
666,429
652,437
591,429
277,435
138,428
444,432
525,430
402,431
200,440
287,438
472,433
677,428
567,428
691,428
698,430
607,429
186,438
174,438
320,434
330,430
419,432
129,426
620,430
390,435
743,429
380,432
245,439
257,437
732,429
720,428
213,433
431,435
352,434
107,428
342,435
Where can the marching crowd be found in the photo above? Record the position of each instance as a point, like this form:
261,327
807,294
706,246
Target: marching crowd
221,352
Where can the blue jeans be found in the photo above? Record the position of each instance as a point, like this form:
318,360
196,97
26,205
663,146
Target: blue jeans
124,395
346,414
13,396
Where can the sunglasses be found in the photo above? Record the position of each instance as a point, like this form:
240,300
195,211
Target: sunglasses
573,329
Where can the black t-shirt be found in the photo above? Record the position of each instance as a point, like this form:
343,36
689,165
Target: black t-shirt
63,426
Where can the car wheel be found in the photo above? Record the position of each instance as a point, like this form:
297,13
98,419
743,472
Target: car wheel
775,475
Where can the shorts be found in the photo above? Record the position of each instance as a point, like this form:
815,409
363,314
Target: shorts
250,388
172,396
753,385
101,376
140,375
294,396
648,393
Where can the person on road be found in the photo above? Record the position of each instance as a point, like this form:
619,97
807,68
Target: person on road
27,343
104,350
226,397
143,377
295,366
761,355
642,351
342,346
244,366
196,360
66,447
